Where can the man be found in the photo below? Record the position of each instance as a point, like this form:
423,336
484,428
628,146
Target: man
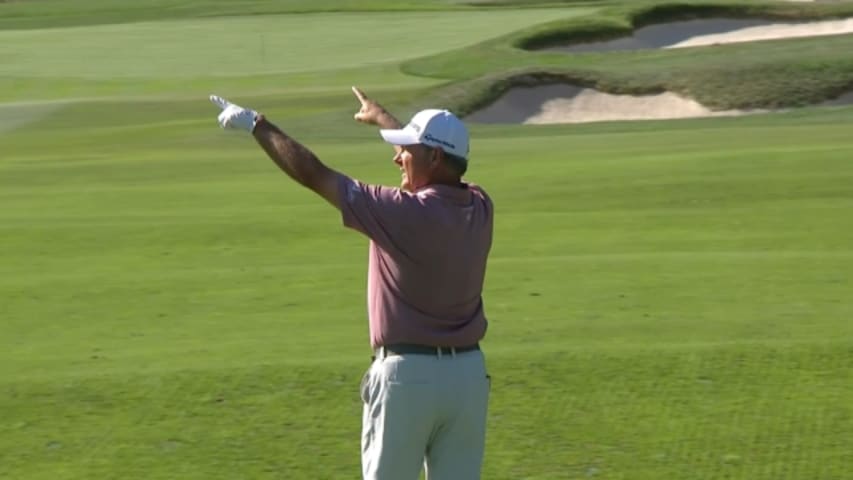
426,392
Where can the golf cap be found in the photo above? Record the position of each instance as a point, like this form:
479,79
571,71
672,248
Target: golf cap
436,128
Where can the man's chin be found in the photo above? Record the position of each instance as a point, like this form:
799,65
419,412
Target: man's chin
405,185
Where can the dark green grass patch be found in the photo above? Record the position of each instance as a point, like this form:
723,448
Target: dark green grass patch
757,411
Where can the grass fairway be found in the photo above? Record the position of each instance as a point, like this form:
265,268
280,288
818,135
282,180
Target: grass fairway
668,300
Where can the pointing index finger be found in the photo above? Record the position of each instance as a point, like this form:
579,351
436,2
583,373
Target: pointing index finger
359,94
220,102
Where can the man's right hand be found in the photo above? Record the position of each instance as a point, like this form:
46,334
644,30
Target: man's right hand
235,116
372,113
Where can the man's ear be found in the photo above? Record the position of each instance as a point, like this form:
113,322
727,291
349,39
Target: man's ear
437,156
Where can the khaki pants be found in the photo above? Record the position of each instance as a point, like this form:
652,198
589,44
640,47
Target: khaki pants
424,410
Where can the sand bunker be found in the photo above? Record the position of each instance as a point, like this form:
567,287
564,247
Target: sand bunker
703,32
562,103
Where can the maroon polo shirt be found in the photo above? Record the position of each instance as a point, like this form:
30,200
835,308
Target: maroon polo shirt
427,260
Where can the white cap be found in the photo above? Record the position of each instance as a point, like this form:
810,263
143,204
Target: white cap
436,128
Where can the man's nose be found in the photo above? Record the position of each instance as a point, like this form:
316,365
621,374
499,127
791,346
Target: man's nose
398,160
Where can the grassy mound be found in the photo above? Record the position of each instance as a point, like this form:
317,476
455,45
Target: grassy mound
622,20
769,74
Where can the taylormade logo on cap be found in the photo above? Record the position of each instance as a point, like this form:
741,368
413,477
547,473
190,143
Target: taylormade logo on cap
433,127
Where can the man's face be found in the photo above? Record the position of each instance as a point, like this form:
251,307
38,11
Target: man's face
416,164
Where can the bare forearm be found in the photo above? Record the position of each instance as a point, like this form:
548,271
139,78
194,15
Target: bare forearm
387,121
291,157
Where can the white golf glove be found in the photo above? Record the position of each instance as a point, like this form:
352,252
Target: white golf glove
234,116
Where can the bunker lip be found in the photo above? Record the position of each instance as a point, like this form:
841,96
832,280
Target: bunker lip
708,31
565,103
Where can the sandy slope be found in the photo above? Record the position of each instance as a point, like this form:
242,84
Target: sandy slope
710,31
570,104
771,32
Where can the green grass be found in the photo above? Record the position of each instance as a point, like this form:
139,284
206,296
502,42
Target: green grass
258,45
667,299
59,13
266,53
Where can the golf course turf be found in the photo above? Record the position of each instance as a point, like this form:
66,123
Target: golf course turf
667,299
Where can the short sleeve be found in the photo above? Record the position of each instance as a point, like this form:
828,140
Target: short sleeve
379,212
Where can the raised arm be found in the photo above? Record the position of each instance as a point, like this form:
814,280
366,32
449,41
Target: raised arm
297,161
372,113
292,157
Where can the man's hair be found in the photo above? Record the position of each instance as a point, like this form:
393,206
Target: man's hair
457,163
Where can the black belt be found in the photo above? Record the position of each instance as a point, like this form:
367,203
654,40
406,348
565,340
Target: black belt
411,349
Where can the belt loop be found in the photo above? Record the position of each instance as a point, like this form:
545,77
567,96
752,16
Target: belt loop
453,351
383,353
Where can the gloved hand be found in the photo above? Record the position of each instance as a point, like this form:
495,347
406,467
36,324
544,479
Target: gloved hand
235,116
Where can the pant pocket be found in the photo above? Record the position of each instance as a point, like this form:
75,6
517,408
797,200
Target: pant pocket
364,389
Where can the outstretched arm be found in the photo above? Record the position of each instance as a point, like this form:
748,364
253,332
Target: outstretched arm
291,156
297,161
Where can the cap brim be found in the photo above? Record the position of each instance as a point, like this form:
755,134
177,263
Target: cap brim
403,136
